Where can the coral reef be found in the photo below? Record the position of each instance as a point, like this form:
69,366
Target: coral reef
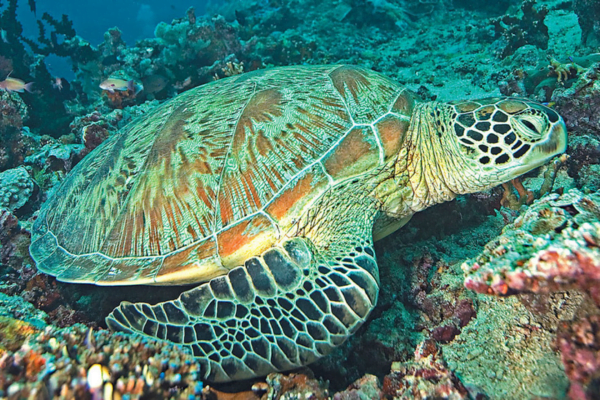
589,15
47,108
577,102
367,387
570,83
77,363
552,246
14,242
426,377
16,187
295,386
442,50
579,344
513,32
14,146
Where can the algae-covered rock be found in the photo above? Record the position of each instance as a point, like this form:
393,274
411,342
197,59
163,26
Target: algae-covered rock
564,31
554,245
507,351
16,187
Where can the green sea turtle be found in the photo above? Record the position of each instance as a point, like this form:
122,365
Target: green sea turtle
271,187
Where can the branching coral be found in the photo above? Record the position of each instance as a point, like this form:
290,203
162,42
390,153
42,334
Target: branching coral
564,70
524,196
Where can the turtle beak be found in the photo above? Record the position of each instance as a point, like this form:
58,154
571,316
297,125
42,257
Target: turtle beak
557,139
555,143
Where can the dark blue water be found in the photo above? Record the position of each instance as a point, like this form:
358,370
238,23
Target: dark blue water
136,19
91,19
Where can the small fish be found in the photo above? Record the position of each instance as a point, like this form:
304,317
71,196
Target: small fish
57,84
113,84
4,35
184,84
15,85
154,83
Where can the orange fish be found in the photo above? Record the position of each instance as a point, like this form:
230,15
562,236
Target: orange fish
15,85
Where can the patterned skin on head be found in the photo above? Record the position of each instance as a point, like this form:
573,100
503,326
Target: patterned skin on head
468,146
504,132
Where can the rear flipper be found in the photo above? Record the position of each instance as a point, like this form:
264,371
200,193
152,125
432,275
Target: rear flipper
279,311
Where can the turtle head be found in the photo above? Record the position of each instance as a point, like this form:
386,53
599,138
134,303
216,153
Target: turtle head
469,146
502,138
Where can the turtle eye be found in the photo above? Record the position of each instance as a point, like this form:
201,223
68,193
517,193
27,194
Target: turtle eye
529,127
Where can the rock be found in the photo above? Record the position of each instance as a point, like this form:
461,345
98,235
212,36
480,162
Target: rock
553,246
564,32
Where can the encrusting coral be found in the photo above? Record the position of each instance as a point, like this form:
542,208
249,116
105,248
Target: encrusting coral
77,363
16,187
427,377
553,246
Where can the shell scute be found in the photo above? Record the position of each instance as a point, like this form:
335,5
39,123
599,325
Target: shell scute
404,103
280,132
391,131
356,153
240,241
367,94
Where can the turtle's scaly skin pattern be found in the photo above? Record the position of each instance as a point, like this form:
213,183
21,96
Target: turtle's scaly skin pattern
272,184
281,310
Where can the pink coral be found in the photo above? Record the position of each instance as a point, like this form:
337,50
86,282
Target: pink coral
554,246
579,344
424,378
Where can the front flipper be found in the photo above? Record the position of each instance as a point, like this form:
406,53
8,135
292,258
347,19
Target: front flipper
279,311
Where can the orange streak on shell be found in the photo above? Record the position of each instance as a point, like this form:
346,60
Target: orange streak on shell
262,107
186,266
286,200
352,155
246,239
